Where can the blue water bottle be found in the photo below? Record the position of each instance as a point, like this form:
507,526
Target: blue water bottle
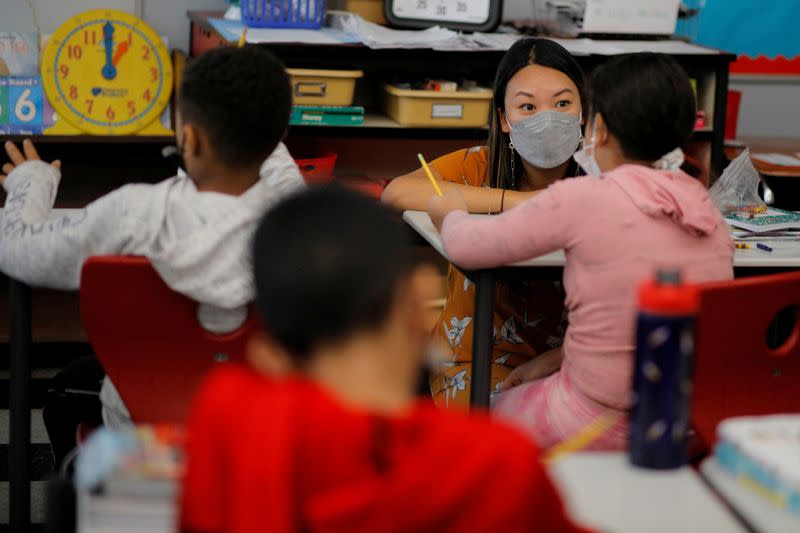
662,375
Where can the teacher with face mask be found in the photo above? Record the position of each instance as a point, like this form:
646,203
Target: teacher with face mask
539,96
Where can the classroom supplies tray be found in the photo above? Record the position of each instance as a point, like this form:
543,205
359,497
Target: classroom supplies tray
312,87
460,109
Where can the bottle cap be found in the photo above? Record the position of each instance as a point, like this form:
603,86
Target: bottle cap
666,295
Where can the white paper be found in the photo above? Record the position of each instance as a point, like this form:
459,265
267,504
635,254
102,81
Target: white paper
585,47
657,17
274,35
376,36
778,159
672,47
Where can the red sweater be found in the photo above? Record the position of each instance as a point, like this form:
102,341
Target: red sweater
286,456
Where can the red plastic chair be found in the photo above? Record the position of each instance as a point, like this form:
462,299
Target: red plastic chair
736,373
148,339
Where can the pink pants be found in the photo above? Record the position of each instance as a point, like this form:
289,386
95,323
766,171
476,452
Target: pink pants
552,410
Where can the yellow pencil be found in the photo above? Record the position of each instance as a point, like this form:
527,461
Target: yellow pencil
243,38
430,175
583,438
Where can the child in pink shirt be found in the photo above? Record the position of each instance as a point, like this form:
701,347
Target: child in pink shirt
634,213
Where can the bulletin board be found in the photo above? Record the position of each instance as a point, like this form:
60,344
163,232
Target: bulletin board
764,34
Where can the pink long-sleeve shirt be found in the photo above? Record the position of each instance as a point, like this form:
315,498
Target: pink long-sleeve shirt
616,230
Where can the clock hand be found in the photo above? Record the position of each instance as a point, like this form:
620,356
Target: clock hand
121,49
109,70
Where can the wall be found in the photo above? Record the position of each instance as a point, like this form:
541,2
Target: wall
168,17
769,106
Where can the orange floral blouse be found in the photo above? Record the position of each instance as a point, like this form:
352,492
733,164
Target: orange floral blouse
529,317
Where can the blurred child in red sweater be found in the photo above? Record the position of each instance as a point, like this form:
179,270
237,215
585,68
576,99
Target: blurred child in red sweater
323,432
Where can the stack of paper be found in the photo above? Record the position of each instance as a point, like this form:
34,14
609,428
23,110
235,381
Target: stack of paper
762,452
231,30
378,37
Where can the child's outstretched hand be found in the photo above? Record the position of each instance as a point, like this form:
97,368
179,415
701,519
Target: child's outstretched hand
17,158
440,206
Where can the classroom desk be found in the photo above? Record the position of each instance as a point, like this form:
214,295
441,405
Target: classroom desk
604,492
600,490
19,412
785,256
761,515
124,514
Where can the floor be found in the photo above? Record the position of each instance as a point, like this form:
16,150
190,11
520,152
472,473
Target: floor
48,359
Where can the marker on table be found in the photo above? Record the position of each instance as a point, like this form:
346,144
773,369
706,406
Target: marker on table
243,38
763,247
430,175
742,246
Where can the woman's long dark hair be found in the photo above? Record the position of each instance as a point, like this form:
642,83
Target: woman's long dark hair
545,53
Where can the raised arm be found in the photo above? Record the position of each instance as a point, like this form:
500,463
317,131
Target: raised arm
541,225
45,251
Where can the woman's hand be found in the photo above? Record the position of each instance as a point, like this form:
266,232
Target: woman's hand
539,367
17,158
440,206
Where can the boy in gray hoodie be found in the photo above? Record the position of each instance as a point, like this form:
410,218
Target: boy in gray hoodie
233,110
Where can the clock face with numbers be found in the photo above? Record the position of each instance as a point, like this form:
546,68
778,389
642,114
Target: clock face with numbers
107,72
471,15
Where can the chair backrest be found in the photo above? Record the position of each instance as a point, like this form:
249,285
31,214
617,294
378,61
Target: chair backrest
736,373
148,339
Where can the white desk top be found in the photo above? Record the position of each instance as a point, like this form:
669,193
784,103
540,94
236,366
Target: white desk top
421,222
602,491
759,513
785,254
111,514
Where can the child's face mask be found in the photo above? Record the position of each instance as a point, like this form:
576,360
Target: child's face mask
175,154
546,139
585,156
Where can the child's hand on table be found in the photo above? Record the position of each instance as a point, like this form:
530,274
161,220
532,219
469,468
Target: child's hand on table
17,158
440,206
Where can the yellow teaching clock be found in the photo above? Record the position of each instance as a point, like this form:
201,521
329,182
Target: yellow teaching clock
106,72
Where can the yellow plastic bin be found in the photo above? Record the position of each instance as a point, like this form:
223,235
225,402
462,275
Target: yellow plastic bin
371,10
323,87
467,109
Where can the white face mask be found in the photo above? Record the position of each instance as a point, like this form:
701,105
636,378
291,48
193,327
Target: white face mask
586,160
546,139
585,156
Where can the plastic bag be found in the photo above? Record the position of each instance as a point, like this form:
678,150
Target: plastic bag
736,190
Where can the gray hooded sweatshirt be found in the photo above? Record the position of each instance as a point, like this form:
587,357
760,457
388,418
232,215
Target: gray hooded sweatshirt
198,242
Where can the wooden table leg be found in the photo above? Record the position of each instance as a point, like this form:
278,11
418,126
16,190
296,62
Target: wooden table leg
482,340
19,450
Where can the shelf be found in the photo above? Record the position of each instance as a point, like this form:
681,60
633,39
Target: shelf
93,139
380,126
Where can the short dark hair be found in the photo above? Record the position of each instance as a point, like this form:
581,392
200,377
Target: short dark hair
530,51
327,264
647,102
241,99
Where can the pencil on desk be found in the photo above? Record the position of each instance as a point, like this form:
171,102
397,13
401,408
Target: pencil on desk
243,38
583,438
764,247
430,174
